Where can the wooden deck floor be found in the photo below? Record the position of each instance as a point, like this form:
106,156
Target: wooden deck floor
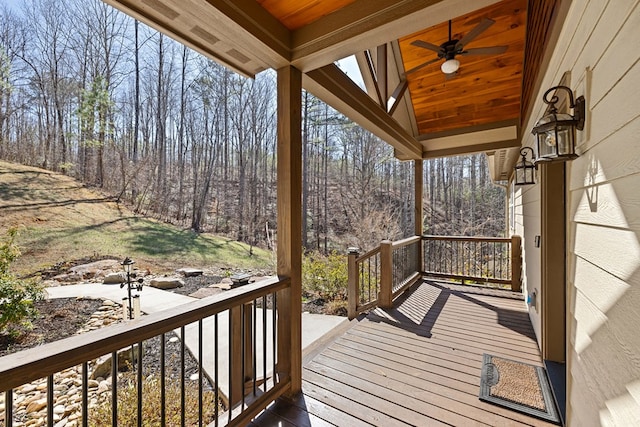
417,364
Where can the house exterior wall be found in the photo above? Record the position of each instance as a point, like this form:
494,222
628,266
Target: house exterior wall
525,222
599,46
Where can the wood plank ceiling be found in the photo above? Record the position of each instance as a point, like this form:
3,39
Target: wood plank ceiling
486,89
295,14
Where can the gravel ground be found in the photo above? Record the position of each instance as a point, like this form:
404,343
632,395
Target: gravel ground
67,314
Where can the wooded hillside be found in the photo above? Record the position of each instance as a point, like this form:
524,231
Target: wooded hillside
88,91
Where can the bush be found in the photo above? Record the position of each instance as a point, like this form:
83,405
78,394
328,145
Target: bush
325,276
17,297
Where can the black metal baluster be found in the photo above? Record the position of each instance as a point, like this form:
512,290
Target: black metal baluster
50,401
254,332
369,284
231,362
264,342
114,389
182,376
139,384
163,382
8,408
85,394
243,351
274,334
494,260
216,392
200,391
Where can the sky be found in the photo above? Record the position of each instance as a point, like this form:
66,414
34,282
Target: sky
14,4
350,67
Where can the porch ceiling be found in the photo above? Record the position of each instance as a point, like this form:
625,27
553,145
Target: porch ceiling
479,110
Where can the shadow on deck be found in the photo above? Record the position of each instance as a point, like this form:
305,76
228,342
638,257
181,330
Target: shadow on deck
416,364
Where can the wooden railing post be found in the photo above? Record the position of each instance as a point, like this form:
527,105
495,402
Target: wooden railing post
352,285
385,295
289,246
419,210
516,263
249,351
236,382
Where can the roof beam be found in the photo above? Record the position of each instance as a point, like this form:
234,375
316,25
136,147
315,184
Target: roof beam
366,23
474,140
396,96
470,149
335,88
253,19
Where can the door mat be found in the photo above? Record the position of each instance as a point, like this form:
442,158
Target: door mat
517,386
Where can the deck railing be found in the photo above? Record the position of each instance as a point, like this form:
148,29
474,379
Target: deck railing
377,277
406,262
381,274
364,280
250,380
476,259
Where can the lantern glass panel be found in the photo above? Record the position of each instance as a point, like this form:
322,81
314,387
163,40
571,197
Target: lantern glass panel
547,144
524,173
521,176
565,138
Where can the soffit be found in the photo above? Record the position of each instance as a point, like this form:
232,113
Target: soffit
239,34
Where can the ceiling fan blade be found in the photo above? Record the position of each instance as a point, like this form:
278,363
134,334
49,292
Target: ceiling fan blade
421,66
493,50
475,32
426,45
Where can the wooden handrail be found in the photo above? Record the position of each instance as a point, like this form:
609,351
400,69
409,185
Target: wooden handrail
368,254
467,238
406,242
23,367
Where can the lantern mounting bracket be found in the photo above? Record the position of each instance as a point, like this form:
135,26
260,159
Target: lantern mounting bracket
578,104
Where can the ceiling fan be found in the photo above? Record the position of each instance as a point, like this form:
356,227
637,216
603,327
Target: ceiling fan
449,49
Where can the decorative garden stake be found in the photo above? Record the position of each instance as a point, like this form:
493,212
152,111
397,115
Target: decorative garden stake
131,312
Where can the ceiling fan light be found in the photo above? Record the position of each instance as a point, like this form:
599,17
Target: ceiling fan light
450,66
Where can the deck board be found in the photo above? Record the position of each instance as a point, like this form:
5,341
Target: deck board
416,364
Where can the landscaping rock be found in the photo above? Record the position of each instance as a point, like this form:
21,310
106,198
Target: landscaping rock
30,400
190,272
205,292
223,286
126,359
97,268
113,279
166,282
66,278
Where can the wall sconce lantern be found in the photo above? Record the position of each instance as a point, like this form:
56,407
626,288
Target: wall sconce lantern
525,170
556,132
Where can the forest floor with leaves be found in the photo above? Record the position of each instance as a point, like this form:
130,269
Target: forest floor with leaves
60,219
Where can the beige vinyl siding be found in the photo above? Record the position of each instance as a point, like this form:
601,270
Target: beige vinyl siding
600,47
527,225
